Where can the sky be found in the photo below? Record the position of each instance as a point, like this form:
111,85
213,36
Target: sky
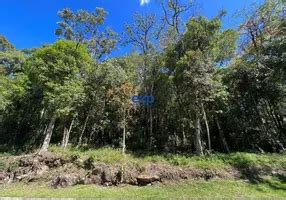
32,23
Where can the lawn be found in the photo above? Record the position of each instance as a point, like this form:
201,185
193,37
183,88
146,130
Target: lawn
197,189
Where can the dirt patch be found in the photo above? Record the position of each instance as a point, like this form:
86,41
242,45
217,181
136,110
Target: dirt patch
58,172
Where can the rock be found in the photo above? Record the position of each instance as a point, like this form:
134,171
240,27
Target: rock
63,181
146,179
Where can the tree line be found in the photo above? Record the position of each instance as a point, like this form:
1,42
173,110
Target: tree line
223,90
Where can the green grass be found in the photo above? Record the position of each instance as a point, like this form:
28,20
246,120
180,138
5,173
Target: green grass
239,160
197,189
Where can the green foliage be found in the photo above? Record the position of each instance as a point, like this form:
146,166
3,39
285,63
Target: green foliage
58,72
11,62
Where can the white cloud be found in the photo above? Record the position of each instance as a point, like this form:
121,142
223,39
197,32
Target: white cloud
143,2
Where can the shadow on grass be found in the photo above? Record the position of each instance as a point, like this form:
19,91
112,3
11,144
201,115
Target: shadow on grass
276,182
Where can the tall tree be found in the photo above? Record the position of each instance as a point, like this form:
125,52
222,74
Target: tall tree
85,28
144,34
56,73
201,49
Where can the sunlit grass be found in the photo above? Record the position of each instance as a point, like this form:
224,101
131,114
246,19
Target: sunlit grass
198,189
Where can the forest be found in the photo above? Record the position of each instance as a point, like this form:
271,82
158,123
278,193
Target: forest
214,89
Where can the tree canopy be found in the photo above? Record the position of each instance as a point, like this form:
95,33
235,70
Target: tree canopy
220,90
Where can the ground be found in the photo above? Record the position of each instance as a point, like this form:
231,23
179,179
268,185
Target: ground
95,173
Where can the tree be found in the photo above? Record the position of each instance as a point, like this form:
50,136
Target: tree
84,28
173,13
255,80
202,47
144,34
57,73
121,96
99,115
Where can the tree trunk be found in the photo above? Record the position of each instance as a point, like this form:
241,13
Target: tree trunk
184,138
197,141
67,134
64,137
151,126
151,118
48,136
207,127
124,132
91,133
221,135
82,132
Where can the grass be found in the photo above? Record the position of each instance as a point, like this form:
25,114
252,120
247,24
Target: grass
221,161
198,189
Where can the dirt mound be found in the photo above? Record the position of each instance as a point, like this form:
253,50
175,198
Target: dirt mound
62,172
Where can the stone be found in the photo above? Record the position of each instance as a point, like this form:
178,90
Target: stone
63,181
146,179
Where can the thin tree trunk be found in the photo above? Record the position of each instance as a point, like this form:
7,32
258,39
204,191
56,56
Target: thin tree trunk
64,137
124,132
82,132
184,139
67,134
197,141
221,135
207,127
91,133
151,118
151,126
48,136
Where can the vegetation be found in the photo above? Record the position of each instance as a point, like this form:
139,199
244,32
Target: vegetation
220,99
212,96
216,161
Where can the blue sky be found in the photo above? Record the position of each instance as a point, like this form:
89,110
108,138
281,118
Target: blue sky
31,23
